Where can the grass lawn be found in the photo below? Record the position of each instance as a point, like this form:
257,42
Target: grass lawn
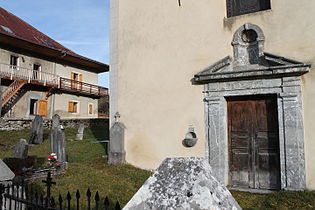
87,165
88,169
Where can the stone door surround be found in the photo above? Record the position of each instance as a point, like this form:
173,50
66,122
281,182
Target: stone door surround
254,72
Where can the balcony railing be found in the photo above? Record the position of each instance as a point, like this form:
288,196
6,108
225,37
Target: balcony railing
13,72
32,76
77,86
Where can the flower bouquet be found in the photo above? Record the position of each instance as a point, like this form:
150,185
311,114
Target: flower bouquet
52,161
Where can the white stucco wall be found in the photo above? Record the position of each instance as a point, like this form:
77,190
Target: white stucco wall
156,49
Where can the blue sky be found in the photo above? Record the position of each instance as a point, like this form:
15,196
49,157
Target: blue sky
80,25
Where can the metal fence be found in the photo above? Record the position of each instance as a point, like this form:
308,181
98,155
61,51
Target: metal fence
25,197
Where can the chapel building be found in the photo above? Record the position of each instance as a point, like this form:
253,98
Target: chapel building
232,81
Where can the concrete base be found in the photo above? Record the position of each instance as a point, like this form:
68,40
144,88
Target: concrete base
116,158
79,136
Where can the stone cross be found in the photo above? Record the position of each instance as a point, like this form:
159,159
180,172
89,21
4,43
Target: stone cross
57,140
117,116
21,149
116,151
79,135
37,130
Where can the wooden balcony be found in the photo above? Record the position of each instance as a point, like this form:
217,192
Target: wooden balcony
58,83
78,87
30,76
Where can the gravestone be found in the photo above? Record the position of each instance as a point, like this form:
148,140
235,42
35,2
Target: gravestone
79,135
21,149
183,183
6,174
57,139
116,152
6,177
37,130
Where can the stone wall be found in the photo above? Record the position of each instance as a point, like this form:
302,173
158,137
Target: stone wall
20,124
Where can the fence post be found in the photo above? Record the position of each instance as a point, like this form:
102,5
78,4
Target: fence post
49,183
117,206
1,195
97,199
88,195
77,195
69,200
106,203
60,202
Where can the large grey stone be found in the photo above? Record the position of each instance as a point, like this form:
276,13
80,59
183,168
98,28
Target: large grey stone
116,151
5,172
183,183
58,140
37,130
21,149
79,135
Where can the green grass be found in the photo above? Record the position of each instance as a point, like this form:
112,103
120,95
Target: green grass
87,166
278,200
88,169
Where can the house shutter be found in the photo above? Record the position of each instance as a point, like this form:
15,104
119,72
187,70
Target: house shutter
72,81
90,108
81,80
70,106
42,109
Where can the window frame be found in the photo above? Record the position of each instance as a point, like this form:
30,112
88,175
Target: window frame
17,61
89,104
232,12
77,111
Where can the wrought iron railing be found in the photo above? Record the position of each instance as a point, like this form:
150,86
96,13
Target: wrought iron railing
24,196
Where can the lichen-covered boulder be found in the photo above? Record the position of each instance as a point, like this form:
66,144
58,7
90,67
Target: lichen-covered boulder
183,183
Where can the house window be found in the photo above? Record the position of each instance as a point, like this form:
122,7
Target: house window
33,106
240,7
73,107
90,111
76,80
38,107
14,61
36,71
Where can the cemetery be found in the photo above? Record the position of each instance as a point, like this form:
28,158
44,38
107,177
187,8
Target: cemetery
69,153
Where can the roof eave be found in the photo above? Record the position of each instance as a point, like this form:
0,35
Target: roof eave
60,55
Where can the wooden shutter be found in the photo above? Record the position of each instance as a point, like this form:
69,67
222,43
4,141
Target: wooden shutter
42,108
90,108
72,81
81,80
70,106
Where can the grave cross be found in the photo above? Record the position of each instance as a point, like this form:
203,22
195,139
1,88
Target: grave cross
48,183
117,116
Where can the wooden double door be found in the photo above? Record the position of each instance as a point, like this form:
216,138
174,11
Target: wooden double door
254,157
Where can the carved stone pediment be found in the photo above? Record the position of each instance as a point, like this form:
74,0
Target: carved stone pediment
273,66
250,61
